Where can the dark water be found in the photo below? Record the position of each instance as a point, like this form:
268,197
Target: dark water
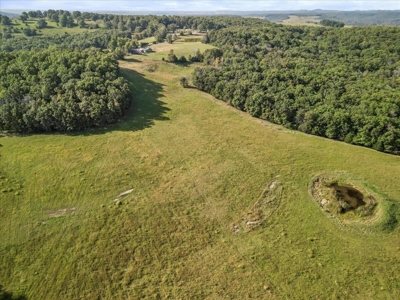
352,196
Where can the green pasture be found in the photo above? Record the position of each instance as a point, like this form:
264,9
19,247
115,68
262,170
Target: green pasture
196,167
148,40
161,50
191,37
180,37
52,27
302,20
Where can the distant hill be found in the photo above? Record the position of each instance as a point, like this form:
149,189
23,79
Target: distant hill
351,18
365,18
174,13
8,14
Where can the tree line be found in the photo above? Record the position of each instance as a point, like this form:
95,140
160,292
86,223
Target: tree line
98,39
60,90
141,26
339,83
129,27
331,23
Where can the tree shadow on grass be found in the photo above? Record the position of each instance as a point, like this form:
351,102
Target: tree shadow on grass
146,106
182,64
4,295
132,59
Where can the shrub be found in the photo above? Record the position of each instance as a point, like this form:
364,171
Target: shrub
184,82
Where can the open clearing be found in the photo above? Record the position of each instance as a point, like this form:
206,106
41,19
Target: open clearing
192,168
180,48
51,29
302,20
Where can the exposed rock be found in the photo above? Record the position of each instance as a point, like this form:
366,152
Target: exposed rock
123,194
324,202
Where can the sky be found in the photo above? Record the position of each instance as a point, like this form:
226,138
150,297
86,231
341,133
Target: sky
198,5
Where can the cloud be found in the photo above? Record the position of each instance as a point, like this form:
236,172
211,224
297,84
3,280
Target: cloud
198,5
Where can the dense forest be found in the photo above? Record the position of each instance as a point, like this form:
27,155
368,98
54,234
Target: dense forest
129,27
138,27
364,18
60,90
61,82
8,14
97,39
341,83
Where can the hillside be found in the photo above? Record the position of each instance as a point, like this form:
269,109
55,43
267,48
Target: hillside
9,14
196,167
186,196
350,18
340,83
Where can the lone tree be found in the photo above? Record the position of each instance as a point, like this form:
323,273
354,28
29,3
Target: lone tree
169,39
5,21
76,14
41,23
171,56
184,82
64,20
29,32
172,27
205,39
23,17
82,23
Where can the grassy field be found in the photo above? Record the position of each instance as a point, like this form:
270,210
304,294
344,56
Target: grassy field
52,27
197,37
197,168
302,20
148,40
162,50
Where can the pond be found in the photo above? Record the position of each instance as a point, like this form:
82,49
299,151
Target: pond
350,195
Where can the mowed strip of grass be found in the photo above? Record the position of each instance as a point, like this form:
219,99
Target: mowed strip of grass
195,167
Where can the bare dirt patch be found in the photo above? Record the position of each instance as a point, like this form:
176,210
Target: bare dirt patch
263,208
62,212
123,194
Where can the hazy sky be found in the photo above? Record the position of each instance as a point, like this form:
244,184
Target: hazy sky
198,5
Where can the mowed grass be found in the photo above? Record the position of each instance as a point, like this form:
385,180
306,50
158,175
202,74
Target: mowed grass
302,20
52,28
195,36
195,166
161,50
